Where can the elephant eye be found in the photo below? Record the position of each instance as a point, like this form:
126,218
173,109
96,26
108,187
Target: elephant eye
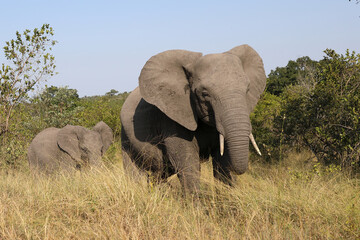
202,94
85,149
205,94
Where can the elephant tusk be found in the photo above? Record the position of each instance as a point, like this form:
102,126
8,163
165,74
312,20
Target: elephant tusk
221,138
254,143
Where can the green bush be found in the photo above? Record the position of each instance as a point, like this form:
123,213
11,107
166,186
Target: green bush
102,108
267,134
314,105
323,110
56,107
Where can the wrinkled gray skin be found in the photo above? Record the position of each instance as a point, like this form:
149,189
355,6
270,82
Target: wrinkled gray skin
69,148
184,100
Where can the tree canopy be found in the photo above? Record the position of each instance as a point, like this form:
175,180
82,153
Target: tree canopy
313,104
30,62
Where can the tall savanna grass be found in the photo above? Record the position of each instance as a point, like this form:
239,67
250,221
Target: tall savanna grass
289,200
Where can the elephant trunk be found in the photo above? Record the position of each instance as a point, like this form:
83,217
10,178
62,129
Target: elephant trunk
235,127
94,159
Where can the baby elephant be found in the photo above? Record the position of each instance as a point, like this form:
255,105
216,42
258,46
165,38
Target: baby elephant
69,148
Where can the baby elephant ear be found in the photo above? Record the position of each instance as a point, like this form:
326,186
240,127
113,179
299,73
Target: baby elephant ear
68,141
163,83
254,69
106,134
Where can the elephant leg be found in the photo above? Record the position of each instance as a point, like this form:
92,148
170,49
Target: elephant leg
131,169
184,157
221,169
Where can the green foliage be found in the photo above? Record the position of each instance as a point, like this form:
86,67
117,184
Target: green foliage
268,118
102,108
56,106
112,92
282,77
315,105
262,119
30,63
317,170
22,129
323,110
59,106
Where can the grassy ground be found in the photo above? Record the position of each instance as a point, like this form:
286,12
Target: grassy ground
292,200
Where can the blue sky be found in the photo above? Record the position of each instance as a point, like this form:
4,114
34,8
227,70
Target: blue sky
103,45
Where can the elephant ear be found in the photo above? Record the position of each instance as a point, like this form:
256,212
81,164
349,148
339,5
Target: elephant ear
106,134
254,69
163,83
68,140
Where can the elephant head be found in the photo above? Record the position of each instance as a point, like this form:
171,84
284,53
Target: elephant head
218,89
83,145
106,135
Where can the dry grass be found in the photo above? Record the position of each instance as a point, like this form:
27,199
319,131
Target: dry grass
286,201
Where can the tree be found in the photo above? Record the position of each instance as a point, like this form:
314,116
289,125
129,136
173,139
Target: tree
323,110
112,92
282,77
30,63
56,106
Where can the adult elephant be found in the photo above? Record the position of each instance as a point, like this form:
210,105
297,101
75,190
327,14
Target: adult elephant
69,148
189,107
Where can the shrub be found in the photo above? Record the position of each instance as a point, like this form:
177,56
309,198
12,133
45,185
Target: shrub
323,110
267,134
